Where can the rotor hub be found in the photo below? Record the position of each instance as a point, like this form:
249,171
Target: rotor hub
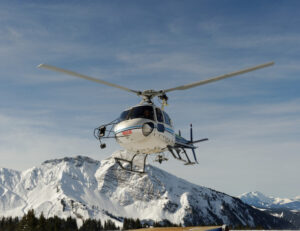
148,95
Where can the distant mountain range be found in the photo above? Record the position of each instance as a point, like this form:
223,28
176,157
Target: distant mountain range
259,200
288,209
85,188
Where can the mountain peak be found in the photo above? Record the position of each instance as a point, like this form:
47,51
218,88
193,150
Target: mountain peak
297,198
260,200
252,194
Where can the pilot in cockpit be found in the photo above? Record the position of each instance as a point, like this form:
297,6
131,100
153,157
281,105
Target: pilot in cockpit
147,114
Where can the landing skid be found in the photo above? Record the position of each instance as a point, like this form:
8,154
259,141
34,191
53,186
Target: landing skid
132,165
179,152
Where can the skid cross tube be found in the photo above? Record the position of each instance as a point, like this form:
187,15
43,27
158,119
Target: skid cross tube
131,163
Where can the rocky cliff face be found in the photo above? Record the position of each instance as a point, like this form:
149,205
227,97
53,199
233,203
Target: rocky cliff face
86,188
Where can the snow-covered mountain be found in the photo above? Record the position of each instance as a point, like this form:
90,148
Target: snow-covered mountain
259,200
85,188
287,209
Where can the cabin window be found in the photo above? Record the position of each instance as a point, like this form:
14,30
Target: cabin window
167,119
159,115
145,112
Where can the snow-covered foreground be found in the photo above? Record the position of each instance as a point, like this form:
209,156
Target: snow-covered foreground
85,188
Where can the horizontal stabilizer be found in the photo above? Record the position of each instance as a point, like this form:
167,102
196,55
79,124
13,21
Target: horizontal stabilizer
198,141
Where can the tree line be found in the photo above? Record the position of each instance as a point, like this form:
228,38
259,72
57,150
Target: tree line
29,222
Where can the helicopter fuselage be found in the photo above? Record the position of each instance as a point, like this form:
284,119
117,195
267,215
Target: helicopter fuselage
145,129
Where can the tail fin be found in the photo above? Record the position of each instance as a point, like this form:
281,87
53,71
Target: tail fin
192,141
191,132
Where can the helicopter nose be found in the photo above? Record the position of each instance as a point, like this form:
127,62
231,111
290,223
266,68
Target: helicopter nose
128,127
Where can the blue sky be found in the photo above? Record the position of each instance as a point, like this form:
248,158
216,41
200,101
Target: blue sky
252,121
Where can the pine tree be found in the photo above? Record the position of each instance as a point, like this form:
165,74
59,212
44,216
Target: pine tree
42,223
28,222
99,225
138,224
9,224
110,225
57,223
125,223
2,223
71,224
89,225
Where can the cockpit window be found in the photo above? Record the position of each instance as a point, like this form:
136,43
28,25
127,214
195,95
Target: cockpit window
124,115
159,115
167,119
145,112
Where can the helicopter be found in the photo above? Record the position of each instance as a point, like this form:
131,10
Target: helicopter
145,128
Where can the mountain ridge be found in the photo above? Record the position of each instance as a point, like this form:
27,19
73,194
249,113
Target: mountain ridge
260,200
85,188
285,208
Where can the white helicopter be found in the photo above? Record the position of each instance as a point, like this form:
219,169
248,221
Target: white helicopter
147,129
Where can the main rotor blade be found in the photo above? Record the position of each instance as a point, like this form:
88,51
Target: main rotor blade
53,68
202,82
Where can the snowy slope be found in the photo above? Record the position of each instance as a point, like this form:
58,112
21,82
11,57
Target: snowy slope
259,200
85,188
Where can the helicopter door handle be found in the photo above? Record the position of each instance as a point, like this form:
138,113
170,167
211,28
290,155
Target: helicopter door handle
160,128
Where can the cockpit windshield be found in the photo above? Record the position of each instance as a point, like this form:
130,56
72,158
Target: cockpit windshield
145,112
124,115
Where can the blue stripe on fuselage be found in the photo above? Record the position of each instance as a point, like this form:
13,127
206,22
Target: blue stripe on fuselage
169,130
180,139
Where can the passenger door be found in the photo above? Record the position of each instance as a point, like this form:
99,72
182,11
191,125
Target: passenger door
160,120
